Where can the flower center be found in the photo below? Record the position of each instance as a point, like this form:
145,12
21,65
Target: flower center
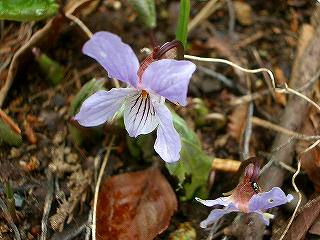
144,94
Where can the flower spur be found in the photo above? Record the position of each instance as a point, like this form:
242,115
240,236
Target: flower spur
143,101
247,198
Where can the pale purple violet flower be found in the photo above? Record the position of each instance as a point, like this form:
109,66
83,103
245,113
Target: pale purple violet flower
246,197
143,102
258,203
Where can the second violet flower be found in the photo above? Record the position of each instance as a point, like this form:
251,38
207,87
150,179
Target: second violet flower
143,101
247,198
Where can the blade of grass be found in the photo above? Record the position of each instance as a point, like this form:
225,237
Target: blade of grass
182,26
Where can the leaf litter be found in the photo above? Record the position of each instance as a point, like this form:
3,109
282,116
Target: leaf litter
75,176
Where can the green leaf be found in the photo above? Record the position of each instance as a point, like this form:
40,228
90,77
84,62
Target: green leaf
182,26
27,10
50,68
199,111
8,133
88,89
146,10
141,146
194,164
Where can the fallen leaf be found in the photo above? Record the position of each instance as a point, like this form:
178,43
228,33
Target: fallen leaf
315,229
304,220
310,161
136,205
305,37
237,121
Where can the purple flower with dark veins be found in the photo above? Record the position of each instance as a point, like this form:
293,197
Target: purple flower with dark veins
143,101
247,198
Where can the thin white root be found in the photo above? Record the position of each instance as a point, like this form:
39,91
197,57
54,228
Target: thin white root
298,203
284,89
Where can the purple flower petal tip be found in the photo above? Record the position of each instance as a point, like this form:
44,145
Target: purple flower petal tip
290,197
117,58
168,143
273,198
101,106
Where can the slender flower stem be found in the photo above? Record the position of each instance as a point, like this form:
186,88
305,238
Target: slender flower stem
97,187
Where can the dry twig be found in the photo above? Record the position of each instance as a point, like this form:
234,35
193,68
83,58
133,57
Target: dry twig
9,219
47,205
269,125
205,12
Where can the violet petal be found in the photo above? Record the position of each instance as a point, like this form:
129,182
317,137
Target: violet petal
117,58
169,78
266,200
216,214
139,115
101,106
224,201
168,143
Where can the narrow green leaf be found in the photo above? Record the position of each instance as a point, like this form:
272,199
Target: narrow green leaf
50,68
182,26
27,10
88,89
8,133
142,146
146,10
199,111
193,163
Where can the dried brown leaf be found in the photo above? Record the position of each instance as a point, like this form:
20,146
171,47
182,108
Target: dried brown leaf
315,229
310,161
304,220
136,205
237,121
